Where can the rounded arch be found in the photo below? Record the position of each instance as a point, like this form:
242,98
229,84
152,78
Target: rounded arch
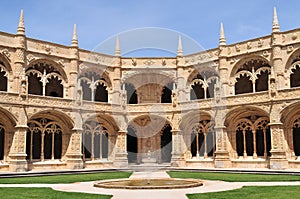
149,120
294,57
242,112
56,115
88,70
104,120
7,118
289,114
193,117
5,62
245,60
205,71
59,67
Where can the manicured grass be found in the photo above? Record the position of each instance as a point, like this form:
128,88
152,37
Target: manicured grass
233,177
65,178
45,193
278,192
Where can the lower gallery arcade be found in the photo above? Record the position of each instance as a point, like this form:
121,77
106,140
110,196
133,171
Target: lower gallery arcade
246,141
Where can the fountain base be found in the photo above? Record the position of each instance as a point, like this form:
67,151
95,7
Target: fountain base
163,183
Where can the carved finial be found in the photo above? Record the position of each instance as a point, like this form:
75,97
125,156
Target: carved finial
74,38
21,27
222,41
275,26
117,49
179,49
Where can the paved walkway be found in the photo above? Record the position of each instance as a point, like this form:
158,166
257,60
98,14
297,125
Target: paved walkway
209,186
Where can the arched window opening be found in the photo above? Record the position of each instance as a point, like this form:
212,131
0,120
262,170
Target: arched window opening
95,141
101,94
94,87
132,145
44,140
261,84
295,77
131,94
54,87
203,139
252,76
166,144
86,91
2,142
44,79
243,85
296,137
253,137
197,92
210,92
3,81
166,96
35,86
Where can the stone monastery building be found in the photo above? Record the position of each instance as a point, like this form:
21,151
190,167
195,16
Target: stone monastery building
235,106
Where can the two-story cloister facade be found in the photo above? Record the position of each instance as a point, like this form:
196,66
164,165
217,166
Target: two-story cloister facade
235,106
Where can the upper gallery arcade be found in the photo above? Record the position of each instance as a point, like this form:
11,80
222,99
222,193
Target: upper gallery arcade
233,106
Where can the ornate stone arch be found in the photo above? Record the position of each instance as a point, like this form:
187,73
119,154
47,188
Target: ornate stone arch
59,68
294,57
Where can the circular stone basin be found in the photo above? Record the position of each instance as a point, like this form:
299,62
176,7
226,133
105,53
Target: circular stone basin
164,183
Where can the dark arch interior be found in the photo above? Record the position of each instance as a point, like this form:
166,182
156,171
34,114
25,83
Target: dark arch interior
166,144
243,85
54,88
296,140
2,135
86,91
261,83
35,85
3,81
132,145
295,77
101,94
166,96
197,92
131,94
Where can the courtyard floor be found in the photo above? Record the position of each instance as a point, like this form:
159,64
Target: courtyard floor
209,186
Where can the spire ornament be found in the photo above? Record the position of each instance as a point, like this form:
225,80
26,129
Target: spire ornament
21,27
275,25
179,49
74,37
222,40
117,49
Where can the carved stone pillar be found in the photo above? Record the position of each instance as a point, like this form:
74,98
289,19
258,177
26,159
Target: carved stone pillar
278,156
121,159
221,154
74,154
17,154
177,159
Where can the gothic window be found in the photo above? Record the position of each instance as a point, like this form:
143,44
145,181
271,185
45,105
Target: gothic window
203,139
253,137
296,137
95,141
132,145
3,80
295,75
253,76
166,144
44,79
44,140
166,96
2,135
131,94
94,87
203,85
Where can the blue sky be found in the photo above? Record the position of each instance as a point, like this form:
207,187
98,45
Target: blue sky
98,20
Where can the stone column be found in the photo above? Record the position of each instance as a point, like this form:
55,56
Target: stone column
278,158
17,154
74,154
221,154
177,159
121,160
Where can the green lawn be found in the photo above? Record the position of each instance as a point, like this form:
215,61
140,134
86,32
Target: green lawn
232,177
44,193
278,192
65,178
